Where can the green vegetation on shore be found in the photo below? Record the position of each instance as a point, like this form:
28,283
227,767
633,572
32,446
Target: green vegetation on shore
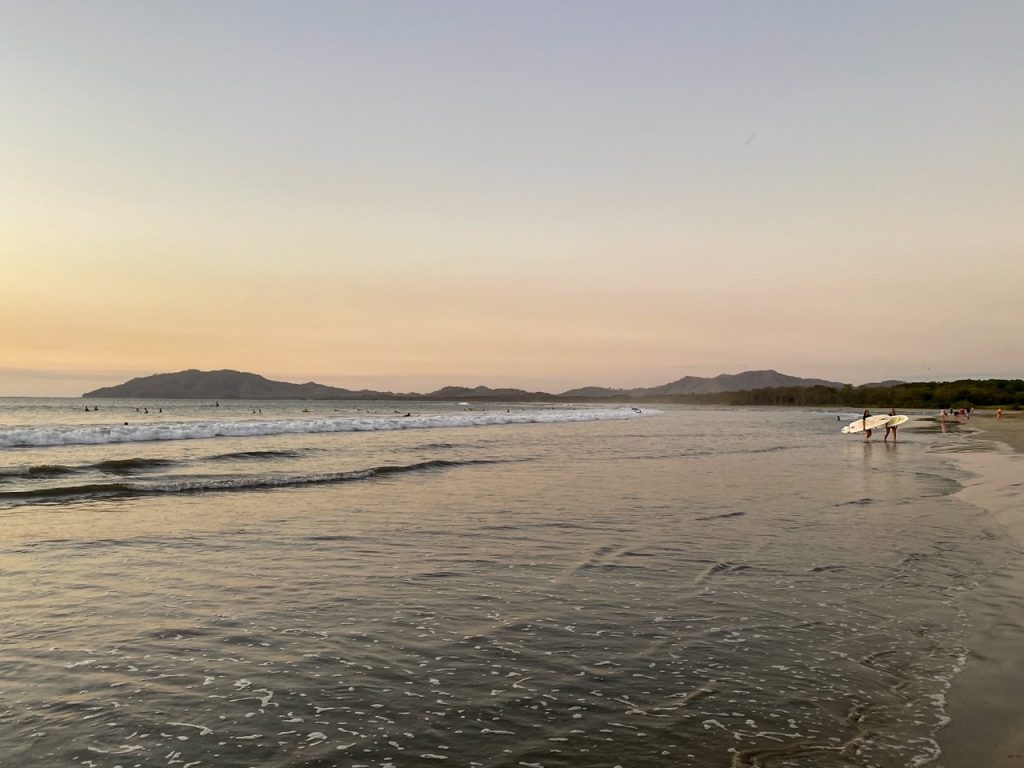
964,393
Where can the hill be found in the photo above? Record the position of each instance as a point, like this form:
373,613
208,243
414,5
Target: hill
594,393
228,385
731,382
485,393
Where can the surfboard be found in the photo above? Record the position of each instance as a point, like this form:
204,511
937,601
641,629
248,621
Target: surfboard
873,422
895,421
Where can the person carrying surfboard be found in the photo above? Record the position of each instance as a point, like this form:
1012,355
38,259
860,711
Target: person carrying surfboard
867,432
888,429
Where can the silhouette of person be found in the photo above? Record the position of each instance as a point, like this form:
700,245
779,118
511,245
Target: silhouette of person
888,429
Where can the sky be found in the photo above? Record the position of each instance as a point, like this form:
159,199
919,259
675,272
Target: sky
406,195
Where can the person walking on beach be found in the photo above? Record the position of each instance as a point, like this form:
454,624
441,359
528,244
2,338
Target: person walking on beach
867,432
888,429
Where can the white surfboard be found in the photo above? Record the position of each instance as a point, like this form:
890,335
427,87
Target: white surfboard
873,422
895,421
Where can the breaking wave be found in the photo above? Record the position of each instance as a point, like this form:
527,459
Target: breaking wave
11,437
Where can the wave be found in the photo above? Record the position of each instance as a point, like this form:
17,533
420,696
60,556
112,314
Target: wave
37,471
127,466
15,437
95,490
215,484
110,466
247,455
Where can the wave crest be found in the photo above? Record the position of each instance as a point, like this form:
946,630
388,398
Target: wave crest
214,484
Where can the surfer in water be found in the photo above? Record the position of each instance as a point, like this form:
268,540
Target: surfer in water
867,432
888,429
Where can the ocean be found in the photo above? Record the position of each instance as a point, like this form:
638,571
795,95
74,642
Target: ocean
405,584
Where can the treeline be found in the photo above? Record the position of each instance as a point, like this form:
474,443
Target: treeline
965,393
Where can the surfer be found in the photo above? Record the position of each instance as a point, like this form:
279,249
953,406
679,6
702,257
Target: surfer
867,432
888,429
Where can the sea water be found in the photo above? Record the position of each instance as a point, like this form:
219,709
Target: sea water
291,583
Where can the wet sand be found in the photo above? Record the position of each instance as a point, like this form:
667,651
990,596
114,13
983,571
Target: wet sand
985,705
1009,429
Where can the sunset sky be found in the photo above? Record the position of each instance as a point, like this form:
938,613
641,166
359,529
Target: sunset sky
403,195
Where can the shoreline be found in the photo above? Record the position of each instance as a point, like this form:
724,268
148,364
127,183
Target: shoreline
986,714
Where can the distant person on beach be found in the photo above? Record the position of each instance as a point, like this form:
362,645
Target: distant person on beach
999,413
867,432
888,429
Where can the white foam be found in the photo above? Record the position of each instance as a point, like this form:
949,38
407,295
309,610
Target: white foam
194,430
83,663
203,730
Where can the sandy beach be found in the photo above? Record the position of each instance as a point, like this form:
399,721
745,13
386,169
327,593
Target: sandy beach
987,727
1008,430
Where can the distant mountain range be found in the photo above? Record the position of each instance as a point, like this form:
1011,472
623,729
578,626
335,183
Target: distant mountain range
698,385
236,385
